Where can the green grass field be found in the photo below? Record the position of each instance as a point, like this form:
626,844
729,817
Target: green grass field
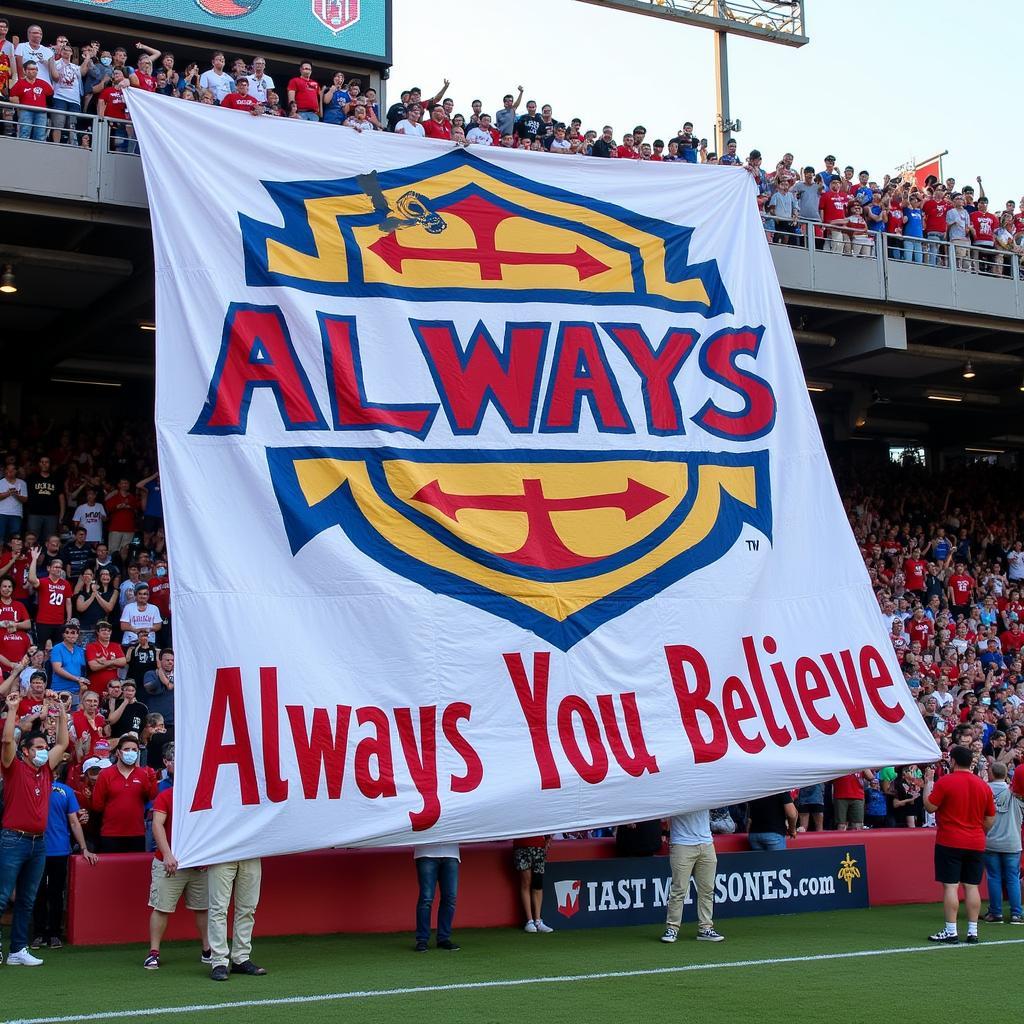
506,975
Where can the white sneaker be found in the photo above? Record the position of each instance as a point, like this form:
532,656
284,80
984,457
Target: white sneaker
542,927
531,927
671,934
24,958
709,935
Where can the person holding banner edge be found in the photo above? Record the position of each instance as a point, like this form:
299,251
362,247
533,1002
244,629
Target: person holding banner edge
692,853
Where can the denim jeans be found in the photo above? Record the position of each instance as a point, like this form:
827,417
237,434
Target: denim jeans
766,841
41,526
32,124
309,115
1003,870
434,871
9,526
22,860
913,251
933,251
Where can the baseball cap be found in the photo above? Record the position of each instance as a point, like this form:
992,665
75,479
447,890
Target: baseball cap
96,762
103,624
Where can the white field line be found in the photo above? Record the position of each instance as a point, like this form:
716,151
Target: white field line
468,986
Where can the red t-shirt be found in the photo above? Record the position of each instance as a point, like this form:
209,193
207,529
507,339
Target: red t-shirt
160,593
921,631
14,645
34,95
18,575
114,99
81,724
437,130
985,225
832,206
235,101
26,796
1017,782
1011,641
961,584
52,598
915,569
935,215
849,787
163,802
122,799
146,82
962,800
307,93
98,680
121,508
13,612
627,153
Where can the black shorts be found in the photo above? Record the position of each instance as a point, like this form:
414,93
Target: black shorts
953,866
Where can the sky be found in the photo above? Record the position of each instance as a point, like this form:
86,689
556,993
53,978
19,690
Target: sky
867,102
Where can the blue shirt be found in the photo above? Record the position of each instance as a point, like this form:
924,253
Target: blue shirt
876,211
942,547
154,503
72,661
333,112
58,833
913,227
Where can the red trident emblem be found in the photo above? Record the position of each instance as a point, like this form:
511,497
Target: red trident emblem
543,548
483,218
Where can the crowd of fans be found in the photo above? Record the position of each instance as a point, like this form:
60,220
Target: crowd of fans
847,211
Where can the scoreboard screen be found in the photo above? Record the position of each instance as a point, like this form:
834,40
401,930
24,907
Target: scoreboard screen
354,28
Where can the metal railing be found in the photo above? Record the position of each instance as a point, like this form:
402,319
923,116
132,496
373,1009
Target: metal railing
66,155
811,255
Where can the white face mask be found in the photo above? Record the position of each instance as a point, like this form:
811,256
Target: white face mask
129,757
40,757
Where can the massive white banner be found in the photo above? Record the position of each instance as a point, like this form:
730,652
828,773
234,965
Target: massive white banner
495,500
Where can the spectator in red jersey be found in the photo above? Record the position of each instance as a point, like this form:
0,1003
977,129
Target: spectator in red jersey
960,591
142,77
240,99
31,93
120,795
935,210
915,569
170,883
848,800
437,126
983,225
54,594
88,724
627,151
833,205
964,812
305,93
26,767
111,103
104,658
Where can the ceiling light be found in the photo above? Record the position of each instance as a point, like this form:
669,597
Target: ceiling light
7,282
987,451
968,371
147,325
1021,385
945,398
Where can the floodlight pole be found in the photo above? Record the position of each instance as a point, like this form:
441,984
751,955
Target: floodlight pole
723,125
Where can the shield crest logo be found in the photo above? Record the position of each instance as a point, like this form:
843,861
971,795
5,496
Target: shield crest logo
558,542
336,15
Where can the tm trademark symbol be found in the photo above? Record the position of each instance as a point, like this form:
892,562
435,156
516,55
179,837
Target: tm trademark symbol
752,545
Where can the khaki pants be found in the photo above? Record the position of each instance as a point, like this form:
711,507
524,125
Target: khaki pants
242,876
700,862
